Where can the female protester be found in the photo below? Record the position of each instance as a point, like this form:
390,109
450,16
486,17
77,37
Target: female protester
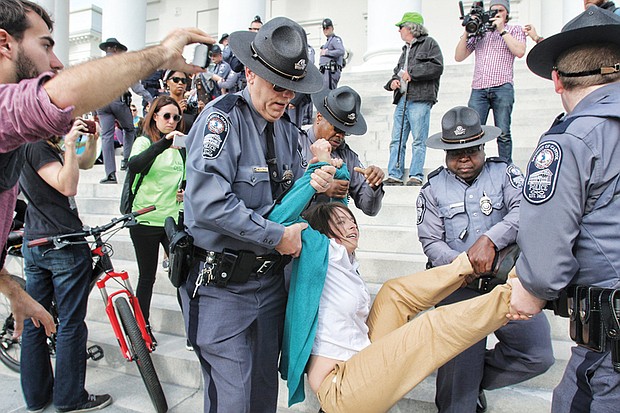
177,85
360,359
163,167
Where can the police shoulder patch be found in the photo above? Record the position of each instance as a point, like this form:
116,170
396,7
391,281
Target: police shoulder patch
421,208
515,176
215,134
542,173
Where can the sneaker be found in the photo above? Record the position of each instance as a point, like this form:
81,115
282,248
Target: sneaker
188,345
148,330
481,404
94,402
123,164
110,179
39,410
413,181
393,182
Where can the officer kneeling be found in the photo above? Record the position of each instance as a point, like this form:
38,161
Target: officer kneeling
241,157
472,205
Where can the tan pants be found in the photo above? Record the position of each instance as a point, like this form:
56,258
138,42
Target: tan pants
403,353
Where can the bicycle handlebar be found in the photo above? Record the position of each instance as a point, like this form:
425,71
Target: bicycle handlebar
61,240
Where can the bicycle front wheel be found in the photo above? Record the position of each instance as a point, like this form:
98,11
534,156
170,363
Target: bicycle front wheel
10,348
142,355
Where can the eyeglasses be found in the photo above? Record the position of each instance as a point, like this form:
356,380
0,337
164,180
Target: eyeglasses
340,131
167,116
179,80
134,109
279,89
458,153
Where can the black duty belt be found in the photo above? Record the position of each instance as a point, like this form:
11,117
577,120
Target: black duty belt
260,265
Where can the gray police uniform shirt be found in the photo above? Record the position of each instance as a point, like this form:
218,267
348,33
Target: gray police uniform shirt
229,77
366,198
570,202
228,191
452,214
335,50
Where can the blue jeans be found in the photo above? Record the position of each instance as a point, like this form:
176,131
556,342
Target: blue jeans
63,275
416,120
500,99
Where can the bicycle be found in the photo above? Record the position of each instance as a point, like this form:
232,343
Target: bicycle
121,307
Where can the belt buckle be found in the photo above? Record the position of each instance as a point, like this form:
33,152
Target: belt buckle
266,266
483,284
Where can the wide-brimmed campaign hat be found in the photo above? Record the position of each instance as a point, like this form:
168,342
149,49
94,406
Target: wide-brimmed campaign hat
461,129
595,25
278,53
112,42
342,108
224,37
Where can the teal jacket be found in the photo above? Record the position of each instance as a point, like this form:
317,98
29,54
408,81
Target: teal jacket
307,279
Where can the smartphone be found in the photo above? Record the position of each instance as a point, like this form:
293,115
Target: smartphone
179,141
202,55
91,126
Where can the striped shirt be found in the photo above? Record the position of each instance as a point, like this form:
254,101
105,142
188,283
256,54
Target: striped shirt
494,61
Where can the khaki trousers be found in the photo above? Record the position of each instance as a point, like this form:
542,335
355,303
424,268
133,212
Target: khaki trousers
403,353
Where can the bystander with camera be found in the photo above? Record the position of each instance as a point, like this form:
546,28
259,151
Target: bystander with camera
495,48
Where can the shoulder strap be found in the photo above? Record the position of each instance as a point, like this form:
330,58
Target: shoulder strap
227,102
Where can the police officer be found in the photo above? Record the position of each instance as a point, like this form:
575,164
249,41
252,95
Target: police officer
472,205
117,110
220,79
300,108
242,155
332,56
569,213
339,114
226,52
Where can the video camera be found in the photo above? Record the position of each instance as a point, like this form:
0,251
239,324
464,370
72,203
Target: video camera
478,21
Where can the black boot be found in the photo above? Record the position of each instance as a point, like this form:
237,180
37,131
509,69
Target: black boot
123,164
110,179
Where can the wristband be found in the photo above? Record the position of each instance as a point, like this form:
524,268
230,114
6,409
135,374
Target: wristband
503,33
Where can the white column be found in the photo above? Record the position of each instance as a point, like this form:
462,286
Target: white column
383,40
570,10
61,30
126,21
237,15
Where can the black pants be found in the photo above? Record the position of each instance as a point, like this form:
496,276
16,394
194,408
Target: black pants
146,240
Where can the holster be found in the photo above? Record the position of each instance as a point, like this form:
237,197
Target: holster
503,262
180,251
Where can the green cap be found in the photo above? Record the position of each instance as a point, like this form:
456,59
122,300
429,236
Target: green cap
411,17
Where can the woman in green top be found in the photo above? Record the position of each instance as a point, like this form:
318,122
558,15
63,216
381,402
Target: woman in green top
163,167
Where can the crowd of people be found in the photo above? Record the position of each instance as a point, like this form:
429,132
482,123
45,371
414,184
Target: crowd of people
273,285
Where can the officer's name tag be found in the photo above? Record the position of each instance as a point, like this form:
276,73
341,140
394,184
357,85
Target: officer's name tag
260,169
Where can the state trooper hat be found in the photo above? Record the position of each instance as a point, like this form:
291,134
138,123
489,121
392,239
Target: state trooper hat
215,49
327,23
595,25
278,53
342,108
461,129
224,37
112,42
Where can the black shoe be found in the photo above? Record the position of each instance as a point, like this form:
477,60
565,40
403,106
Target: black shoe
94,402
110,179
124,165
481,404
188,345
148,330
393,182
505,259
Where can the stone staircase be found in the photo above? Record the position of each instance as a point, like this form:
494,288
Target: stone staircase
388,247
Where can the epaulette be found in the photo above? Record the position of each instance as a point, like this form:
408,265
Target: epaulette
227,102
560,127
497,159
432,175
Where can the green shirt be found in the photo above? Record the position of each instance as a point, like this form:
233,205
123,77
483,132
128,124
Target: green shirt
160,185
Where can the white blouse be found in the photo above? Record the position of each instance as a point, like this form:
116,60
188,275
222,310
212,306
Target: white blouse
343,309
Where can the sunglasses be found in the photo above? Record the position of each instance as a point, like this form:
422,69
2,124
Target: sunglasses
458,153
279,88
179,80
167,116
252,29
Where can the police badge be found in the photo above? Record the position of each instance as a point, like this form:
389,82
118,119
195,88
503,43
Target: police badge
485,204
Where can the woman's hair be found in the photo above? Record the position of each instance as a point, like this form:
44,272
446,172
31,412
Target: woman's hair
321,216
170,73
150,128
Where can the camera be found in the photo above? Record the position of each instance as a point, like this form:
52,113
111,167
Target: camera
202,55
478,21
91,126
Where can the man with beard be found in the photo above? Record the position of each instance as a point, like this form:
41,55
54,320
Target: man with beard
36,104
